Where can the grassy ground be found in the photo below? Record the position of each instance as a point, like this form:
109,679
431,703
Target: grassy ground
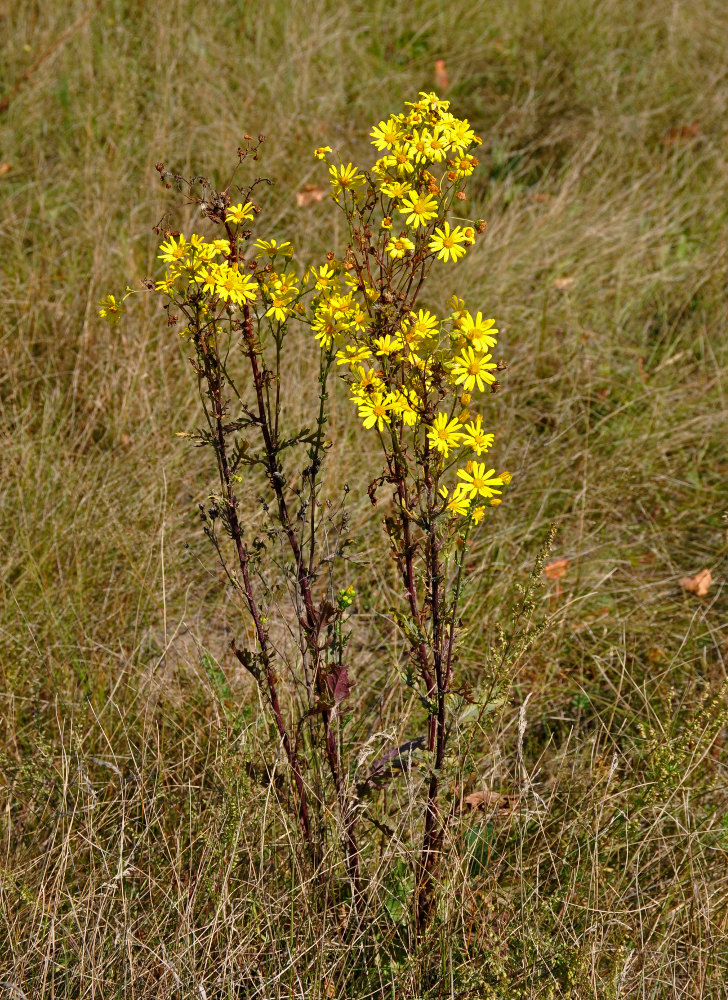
141,856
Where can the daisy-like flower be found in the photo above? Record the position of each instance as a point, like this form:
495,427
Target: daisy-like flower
173,252
424,324
374,410
324,277
395,189
271,249
240,213
111,310
419,209
387,345
446,242
444,433
399,160
399,247
459,502
352,354
460,133
387,222
386,135
480,332
345,177
436,145
366,381
478,515
471,369
166,284
407,405
321,152
477,482
464,165
279,308
476,438
230,284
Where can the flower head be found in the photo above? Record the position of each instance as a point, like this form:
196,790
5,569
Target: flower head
471,369
239,213
478,482
399,247
444,433
446,243
419,209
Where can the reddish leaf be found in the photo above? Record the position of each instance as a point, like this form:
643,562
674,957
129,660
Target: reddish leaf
442,78
338,684
556,569
309,194
697,584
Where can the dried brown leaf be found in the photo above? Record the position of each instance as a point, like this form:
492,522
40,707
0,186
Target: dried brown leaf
442,77
491,802
309,194
699,583
556,569
563,283
5,168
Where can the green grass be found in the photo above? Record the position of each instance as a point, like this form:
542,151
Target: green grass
142,849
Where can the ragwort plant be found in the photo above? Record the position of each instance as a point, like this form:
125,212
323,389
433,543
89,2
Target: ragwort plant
416,380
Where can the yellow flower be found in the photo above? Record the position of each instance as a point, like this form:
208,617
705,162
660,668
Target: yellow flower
387,222
345,177
374,410
166,285
446,242
399,247
399,161
395,189
478,482
478,514
321,152
279,308
476,438
404,405
460,133
367,380
386,135
229,284
351,355
436,145
324,278
388,345
239,213
172,251
270,248
444,434
419,209
110,309
480,332
459,503
506,477
424,325
471,369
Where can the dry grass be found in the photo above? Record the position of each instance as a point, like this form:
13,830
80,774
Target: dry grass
144,853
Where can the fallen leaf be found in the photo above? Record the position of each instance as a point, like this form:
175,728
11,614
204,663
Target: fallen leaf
556,569
309,194
5,168
683,133
442,78
490,801
564,283
699,583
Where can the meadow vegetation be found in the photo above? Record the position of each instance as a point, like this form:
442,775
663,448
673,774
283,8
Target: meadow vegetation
146,848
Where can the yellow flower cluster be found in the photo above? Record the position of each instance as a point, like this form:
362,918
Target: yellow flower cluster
411,373
205,273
